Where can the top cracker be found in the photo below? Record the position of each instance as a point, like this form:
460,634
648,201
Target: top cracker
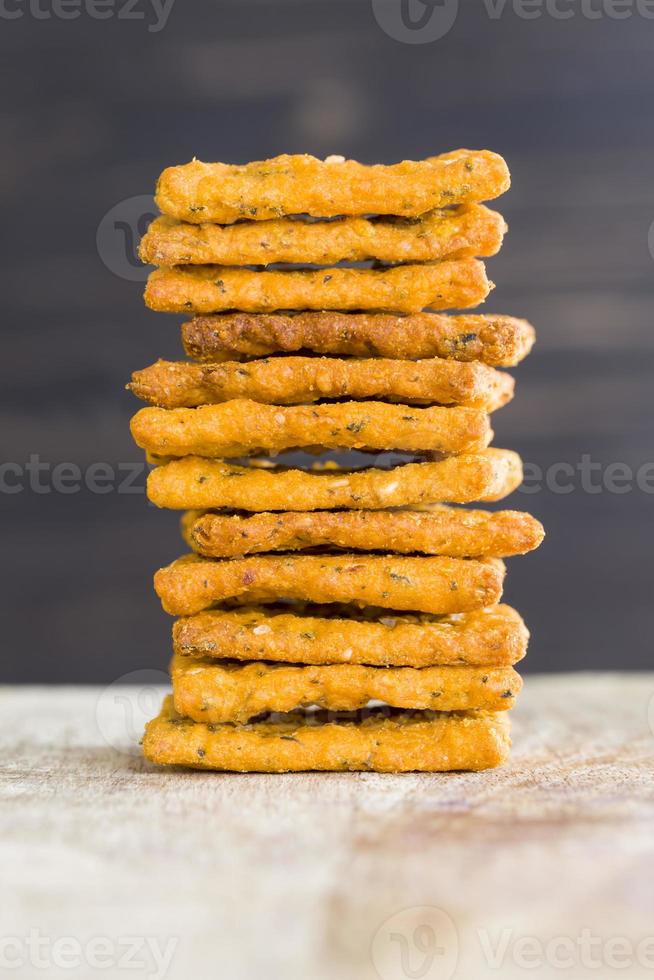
302,184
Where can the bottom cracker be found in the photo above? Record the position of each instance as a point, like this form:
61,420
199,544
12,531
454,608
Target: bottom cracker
382,741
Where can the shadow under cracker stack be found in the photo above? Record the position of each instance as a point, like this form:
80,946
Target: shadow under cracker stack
334,617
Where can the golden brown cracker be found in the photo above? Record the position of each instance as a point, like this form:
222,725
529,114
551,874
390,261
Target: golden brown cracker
217,692
463,232
195,482
301,184
501,341
451,284
494,636
300,380
436,585
382,741
451,531
243,427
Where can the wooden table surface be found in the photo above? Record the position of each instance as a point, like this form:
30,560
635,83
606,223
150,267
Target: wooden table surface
547,862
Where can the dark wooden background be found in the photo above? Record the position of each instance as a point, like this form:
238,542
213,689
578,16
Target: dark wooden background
93,110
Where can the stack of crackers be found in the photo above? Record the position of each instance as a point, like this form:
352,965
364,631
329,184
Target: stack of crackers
334,618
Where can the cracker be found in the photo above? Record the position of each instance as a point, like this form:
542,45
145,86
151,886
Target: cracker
459,283
501,341
440,531
494,636
195,482
436,585
299,380
217,692
243,427
301,184
382,741
463,232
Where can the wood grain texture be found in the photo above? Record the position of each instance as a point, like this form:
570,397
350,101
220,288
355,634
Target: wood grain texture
303,875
